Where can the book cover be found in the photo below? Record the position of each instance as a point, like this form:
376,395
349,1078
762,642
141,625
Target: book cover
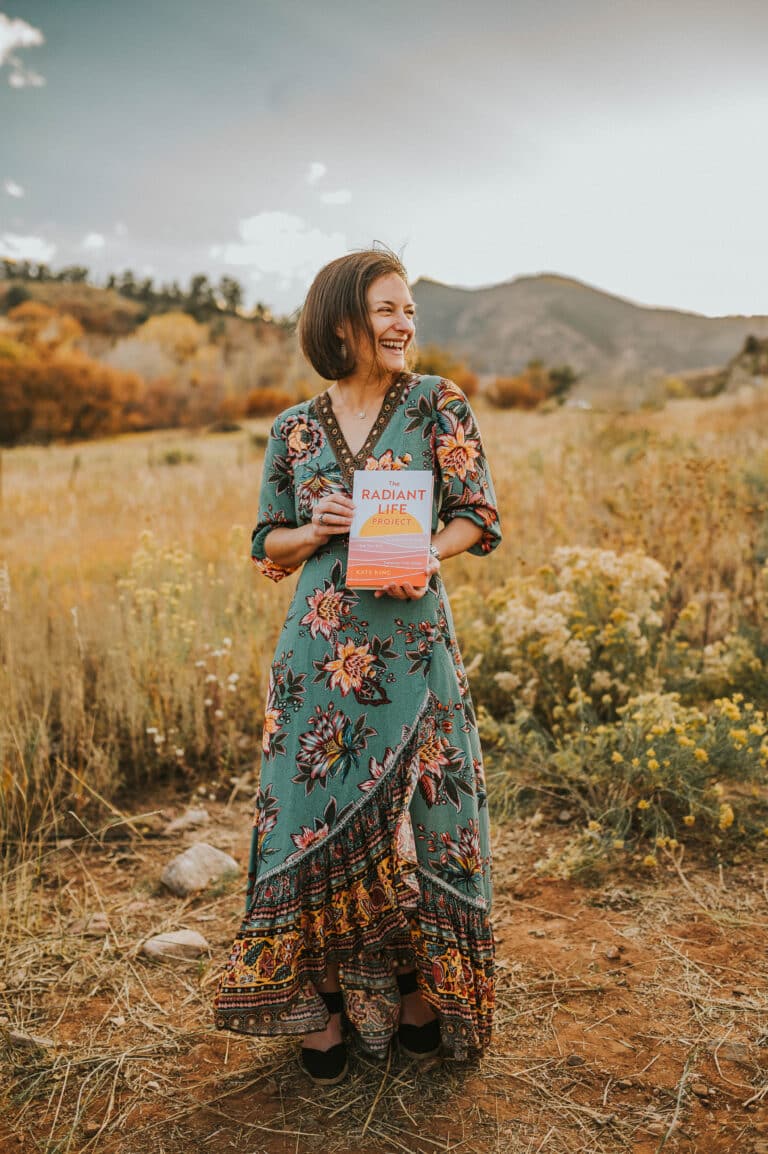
391,528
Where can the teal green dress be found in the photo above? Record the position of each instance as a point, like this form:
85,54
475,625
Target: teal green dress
370,842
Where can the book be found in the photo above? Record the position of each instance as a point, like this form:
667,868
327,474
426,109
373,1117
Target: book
391,528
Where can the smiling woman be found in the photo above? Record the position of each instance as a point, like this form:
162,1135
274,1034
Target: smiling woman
370,883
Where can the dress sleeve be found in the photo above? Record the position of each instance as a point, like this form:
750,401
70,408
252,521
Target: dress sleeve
466,488
276,503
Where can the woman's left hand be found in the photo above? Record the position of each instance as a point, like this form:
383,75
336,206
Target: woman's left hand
410,592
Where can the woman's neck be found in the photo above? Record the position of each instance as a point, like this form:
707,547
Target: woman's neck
359,394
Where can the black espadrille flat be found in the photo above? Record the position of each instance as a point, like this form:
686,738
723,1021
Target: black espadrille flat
416,1041
327,1067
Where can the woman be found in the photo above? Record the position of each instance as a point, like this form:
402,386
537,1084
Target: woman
370,885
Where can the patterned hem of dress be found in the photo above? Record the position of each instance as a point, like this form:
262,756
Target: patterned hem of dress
360,899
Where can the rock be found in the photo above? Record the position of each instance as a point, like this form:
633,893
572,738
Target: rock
92,926
575,1060
176,944
118,1021
23,1041
700,1089
730,1051
613,953
197,868
565,816
136,907
188,820
91,1129
742,991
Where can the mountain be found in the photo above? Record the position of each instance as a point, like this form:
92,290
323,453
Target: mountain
606,339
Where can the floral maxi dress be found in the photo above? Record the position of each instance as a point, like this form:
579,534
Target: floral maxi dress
370,843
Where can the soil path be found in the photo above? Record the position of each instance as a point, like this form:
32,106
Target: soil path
632,1016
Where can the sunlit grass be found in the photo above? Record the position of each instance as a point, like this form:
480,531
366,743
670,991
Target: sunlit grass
136,635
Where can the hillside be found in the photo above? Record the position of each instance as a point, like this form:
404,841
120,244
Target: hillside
607,339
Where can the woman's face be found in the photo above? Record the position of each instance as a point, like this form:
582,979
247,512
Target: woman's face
391,312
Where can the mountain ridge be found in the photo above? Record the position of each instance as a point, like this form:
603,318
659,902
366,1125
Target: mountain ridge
608,339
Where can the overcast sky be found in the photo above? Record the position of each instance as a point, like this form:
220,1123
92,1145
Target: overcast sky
621,142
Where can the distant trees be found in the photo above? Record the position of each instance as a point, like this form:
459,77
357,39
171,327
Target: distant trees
202,299
532,387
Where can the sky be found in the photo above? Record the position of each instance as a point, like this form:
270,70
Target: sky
620,142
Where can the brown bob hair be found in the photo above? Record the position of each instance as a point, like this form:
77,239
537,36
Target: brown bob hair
338,296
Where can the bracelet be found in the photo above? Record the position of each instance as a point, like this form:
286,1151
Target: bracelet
435,551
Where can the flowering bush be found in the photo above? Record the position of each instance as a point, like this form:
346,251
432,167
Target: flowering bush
582,634
664,772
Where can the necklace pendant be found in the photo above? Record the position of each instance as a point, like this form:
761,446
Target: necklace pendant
361,416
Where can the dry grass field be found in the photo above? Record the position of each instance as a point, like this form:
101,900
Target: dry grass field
134,643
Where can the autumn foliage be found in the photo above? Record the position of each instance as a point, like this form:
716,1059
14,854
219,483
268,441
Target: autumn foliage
50,388
532,387
168,373
437,361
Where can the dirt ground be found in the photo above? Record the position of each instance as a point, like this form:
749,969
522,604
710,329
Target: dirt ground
632,1016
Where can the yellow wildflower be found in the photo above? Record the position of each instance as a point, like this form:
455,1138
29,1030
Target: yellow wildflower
653,763
726,816
689,819
650,860
643,803
701,754
616,757
593,826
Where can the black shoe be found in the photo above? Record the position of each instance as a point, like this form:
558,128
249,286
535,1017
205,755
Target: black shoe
417,1041
327,1067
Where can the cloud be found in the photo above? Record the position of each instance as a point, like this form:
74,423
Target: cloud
94,240
341,196
282,244
13,189
26,248
317,171
16,34
121,228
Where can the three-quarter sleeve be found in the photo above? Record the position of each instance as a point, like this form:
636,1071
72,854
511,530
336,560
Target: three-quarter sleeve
276,502
466,488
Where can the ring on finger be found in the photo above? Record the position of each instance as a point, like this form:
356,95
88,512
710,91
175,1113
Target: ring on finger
321,519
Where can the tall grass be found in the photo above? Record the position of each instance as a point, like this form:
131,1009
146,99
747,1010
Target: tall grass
135,635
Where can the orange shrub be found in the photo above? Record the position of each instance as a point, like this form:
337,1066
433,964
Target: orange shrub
267,402
439,362
515,393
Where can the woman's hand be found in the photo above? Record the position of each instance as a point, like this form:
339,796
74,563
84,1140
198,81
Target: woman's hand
408,592
332,517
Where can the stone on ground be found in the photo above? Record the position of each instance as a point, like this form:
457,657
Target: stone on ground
196,869
176,944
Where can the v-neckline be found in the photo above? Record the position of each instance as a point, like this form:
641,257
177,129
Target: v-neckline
346,459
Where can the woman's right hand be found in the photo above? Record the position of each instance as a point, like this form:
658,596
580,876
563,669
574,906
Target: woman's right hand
332,517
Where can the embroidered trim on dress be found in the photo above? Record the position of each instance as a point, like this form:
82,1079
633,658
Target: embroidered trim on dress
347,460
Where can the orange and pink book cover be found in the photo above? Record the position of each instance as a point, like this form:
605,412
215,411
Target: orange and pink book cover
391,528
